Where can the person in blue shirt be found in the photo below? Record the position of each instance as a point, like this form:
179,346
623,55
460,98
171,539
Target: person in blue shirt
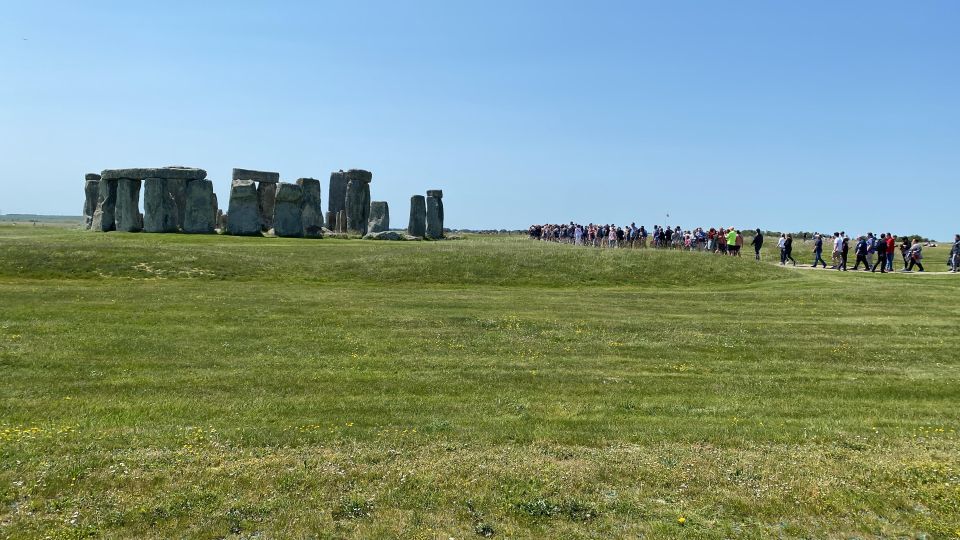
860,250
818,251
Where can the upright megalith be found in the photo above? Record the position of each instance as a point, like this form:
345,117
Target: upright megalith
337,194
357,203
312,214
91,189
434,213
243,214
200,214
104,217
418,216
177,187
379,217
288,211
128,205
332,221
159,207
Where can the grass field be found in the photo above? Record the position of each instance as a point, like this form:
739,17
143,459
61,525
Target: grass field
207,386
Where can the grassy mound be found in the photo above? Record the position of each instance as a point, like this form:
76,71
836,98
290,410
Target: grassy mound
177,386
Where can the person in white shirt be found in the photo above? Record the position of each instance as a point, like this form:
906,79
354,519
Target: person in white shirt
837,244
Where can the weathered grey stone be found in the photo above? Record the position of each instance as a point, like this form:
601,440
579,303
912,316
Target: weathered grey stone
91,176
128,205
201,213
337,194
215,207
178,173
266,198
159,207
384,235
221,220
104,216
342,221
438,193
312,209
243,214
178,190
434,216
288,211
257,176
358,201
331,223
379,217
91,190
418,216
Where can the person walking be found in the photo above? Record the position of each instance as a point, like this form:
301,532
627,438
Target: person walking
915,255
871,249
844,251
782,246
818,251
891,248
732,241
955,255
788,249
757,243
860,250
881,255
835,255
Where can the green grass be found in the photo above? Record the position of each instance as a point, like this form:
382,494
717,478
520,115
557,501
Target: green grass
185,386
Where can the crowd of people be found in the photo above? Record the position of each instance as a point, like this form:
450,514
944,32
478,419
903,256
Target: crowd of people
873,252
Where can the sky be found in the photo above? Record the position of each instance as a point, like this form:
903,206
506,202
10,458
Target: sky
813,115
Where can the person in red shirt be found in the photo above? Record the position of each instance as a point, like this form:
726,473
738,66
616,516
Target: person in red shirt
891,245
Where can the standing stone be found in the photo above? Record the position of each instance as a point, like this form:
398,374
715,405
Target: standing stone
312,209
91,189
221,220
266,199
337,194
216,208
435,213
243,214
379,217
288,211
358,201
104,217
128,205
178,190
200,216
342,221
332,221
159,207
418,216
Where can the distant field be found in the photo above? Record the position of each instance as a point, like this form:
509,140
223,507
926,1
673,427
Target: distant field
158,386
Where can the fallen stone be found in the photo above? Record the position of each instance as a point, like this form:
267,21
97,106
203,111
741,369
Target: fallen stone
312,209
266,198
128,205
159,207
379,217
434,215
104,216
257,176
243,215
384,235
91,190
288,211
201,213
417,225
178,173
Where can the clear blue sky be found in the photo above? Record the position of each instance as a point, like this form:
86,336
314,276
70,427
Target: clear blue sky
784,115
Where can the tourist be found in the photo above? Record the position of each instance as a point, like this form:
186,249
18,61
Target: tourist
844,251
837,241
788,249
905,250
860,250
891,248
871,249
612,236
818,251
757,243
881,255
915,255
955,254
